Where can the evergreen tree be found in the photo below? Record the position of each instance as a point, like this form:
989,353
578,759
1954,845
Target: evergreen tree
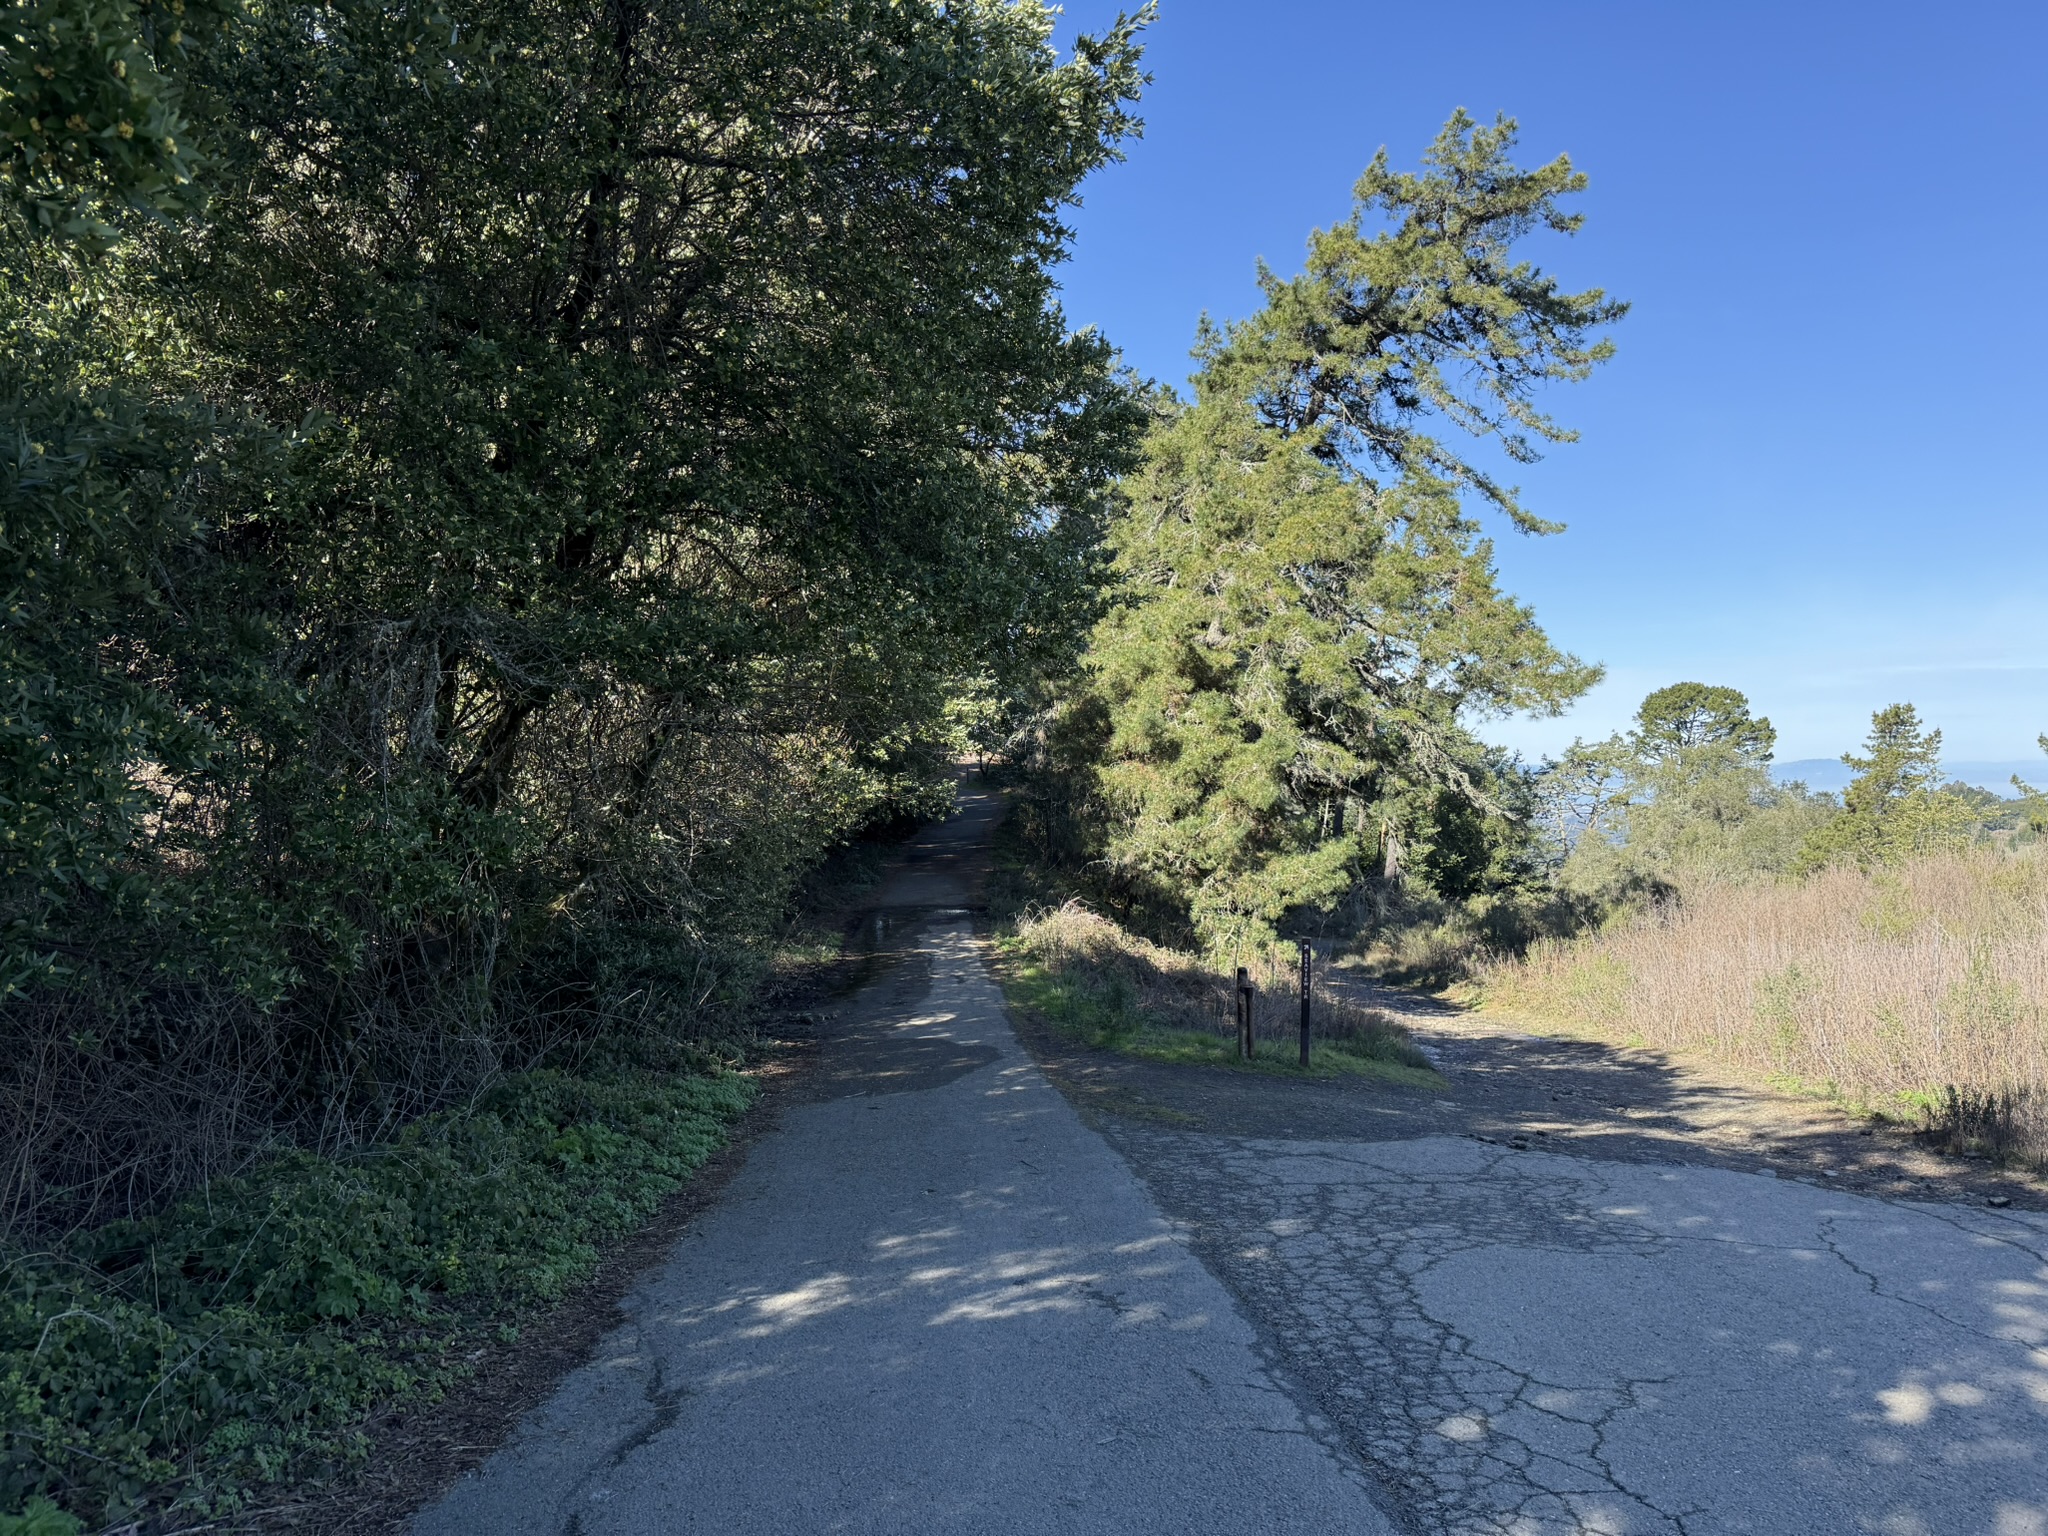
1308,615
1689,716
1893,806
1695,797
1702,768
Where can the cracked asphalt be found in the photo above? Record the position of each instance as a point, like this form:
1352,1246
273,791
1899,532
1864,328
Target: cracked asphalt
1525,1343
967,1287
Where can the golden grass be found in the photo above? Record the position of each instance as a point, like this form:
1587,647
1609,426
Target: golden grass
1096,981
1887,987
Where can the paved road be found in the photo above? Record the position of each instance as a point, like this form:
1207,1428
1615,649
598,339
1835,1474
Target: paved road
1523,1343
935,1300
932,1301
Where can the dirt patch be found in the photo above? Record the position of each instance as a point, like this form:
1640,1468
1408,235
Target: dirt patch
1575,1097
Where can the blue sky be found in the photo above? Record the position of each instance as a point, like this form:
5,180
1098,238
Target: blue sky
1814,472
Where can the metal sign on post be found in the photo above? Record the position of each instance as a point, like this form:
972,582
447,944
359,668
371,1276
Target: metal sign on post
1305,958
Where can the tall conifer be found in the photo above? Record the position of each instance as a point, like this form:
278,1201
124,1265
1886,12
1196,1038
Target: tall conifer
1309,617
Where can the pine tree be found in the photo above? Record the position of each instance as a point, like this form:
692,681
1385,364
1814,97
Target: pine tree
1308,615
1689,716
1894,805
1686,795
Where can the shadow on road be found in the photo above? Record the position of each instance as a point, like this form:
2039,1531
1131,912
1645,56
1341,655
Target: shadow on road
1515,1088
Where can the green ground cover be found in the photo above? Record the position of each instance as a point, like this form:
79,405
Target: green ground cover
239,1339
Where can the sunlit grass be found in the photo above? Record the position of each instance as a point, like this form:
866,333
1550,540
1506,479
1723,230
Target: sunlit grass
1879,989
1111,991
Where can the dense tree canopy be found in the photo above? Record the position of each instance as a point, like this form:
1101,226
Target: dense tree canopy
91,111
468,568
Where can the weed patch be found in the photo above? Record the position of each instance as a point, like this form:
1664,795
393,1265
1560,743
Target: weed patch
2007,1125
239,1338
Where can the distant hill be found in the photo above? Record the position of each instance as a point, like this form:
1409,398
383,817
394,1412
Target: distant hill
1832,773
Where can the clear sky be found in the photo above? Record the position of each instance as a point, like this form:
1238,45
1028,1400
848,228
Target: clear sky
1815,470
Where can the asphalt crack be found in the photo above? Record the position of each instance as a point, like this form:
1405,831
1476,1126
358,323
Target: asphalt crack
1358,1271
1471,1445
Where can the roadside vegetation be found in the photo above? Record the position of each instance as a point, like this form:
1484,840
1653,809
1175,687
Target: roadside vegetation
500,503
1271,733
1306,613
497,502
1889,950
1106,988
1917,988
199,1356
1266,736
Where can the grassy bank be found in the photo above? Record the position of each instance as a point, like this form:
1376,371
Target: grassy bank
237,1341
1111,990
1920,990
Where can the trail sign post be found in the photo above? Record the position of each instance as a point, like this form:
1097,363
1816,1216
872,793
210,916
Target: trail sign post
1244,1014
1305,958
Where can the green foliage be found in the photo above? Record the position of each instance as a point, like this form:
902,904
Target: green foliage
1686,796
1893,807
1284,680
1422,939
91,118
1904,760
1693,717
105,458
1782,1001
488,498
462,575
1433,315
1579,791
1113,992
40,1518
239,1337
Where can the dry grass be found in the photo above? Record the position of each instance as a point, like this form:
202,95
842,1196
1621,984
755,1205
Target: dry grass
1095,980
1888,988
